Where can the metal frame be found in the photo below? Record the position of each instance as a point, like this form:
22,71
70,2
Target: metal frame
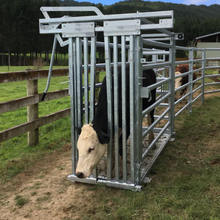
81,34
134,45
199,92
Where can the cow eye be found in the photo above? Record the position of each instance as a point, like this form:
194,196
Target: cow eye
90,149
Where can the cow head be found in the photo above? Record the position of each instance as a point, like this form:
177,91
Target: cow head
178,83
91,146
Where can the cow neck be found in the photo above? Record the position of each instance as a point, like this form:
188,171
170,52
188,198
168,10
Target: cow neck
97,126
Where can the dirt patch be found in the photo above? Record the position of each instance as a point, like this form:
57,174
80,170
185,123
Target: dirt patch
46,190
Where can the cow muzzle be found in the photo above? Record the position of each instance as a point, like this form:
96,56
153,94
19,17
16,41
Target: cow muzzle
80,175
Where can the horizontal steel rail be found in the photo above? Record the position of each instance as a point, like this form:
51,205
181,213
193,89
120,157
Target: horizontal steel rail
157,103
182,62
213,91
181,110
156,65
195,99
211,84
156,44
50,25
152,126
155,140
213,58
214,75
212,67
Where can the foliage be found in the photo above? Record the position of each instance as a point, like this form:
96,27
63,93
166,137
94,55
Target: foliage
192,20
19,26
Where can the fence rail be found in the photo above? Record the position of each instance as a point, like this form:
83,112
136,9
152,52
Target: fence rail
31,101
30,75
29,126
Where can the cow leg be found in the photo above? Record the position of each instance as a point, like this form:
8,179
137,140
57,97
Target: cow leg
150,120
120,139
120,152
182,93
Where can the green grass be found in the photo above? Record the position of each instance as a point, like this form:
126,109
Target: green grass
20,201
15,154
4,69
185,179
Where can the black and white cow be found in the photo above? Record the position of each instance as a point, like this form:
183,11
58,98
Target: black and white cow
93,139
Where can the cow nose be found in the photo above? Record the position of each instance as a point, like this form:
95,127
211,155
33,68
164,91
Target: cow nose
80,175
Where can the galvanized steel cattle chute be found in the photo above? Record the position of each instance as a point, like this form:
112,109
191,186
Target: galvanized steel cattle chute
140,41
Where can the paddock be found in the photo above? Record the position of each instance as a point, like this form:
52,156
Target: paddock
141,41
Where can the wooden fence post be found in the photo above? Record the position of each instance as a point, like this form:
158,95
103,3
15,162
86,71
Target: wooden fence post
32,112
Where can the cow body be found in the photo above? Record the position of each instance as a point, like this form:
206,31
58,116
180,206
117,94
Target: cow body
92,147
182,80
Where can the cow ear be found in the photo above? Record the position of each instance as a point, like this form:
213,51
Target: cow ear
78,130
103,138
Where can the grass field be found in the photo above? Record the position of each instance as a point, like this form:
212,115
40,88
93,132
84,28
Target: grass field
185,179
4,69
52,136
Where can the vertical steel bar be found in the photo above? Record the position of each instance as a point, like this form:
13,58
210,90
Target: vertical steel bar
124,113
92,77
86,86
71,91
116,120
171,100
92,85
132,113
203,74
79,80
138,74
74,78
190,78
109,103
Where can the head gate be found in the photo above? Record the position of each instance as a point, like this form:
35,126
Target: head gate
131,91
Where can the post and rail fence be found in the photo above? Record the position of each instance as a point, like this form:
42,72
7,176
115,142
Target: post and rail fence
32,100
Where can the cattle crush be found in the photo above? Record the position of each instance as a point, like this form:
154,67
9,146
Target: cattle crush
142,42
